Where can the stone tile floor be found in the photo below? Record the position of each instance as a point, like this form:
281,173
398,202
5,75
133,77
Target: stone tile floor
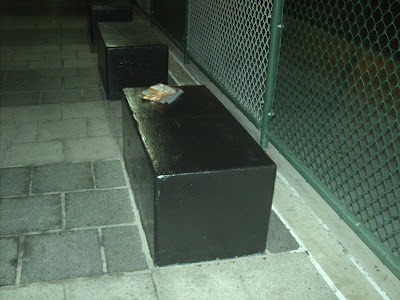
68,224
65,208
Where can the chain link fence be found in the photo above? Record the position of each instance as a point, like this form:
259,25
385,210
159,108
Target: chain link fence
229,40
337,108
337,102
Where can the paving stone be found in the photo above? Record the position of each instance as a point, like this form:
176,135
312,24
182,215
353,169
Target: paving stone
90,110
61,96
37,113
40,291
8,260
123,249
109,174
89,72
216,280
61,256
91,148
279,238
35,153
76,62
96,208
31,85
99,127
63,177
60,129
7,114
23,74
20,132
115,126
76,47
92,95
114,109
29,214
285,274
121,286
19,99
82,82
14,181
14,65
46,63
64,72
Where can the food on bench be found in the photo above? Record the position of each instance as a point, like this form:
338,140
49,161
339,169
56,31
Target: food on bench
148,95
162,90
162,93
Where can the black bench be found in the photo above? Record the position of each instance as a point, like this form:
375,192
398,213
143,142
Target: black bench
130,55
106,11
202,185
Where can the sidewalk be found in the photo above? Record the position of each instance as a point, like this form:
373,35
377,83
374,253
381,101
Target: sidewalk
69,228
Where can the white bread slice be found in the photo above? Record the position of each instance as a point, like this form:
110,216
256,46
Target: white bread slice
162,90
148,95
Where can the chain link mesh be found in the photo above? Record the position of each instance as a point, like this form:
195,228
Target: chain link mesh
337,104
229,40
145,5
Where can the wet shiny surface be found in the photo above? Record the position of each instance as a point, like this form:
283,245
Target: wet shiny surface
194,134
119,34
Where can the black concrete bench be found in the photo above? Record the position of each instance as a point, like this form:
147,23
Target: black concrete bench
202,185
130,55
106,11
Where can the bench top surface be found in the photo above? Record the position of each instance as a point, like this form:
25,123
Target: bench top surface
107,4
194,134
125,34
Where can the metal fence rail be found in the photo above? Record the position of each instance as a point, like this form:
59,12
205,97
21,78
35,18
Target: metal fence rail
337,108
229,40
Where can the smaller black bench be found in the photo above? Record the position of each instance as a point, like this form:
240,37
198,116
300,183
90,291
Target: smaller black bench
106,11
130,55
202,185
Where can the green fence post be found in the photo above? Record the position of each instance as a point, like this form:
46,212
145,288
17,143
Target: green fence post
185,39
272,68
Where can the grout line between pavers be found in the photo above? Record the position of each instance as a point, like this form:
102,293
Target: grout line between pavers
69,229
20,258
72,191
37,131
102,250
155,285
65,290
93,175
30,187
6,157
63,217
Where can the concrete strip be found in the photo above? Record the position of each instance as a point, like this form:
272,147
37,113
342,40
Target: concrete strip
121,286
335,266
41,291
